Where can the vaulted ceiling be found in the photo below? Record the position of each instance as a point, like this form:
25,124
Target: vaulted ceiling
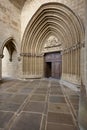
18,3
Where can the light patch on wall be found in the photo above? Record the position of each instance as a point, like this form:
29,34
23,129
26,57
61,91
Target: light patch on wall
9,69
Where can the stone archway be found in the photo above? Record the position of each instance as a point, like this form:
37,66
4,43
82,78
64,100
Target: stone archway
58,20
52,57
9,62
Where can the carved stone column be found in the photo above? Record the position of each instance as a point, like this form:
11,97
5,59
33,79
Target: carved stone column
1,56
76,58
79,62
62,64
32,65
66,63
70,62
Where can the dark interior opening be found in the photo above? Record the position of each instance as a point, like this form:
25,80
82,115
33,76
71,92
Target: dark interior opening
48,69
53,65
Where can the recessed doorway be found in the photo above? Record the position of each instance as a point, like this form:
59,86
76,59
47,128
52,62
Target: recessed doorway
53,65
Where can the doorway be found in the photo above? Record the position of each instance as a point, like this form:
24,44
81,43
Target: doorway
53,65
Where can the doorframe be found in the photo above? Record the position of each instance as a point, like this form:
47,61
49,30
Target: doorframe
51,62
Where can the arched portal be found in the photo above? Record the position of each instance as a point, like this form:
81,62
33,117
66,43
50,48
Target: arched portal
58,20
9,59
52,57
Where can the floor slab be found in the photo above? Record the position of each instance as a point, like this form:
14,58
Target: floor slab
51,126
35,107
38,98
9,106
58,107
27,121
57,99
5,117
60,118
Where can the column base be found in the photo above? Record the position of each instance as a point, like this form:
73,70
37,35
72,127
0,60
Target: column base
72,78
71,85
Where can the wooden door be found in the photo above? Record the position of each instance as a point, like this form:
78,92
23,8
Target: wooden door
56,70
55,59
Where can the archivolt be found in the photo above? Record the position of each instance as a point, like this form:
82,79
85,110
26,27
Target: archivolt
52,18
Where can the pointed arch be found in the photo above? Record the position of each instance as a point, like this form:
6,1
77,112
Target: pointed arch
9,39
58,19
9,58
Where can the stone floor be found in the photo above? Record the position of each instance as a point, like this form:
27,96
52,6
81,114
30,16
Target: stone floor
37,105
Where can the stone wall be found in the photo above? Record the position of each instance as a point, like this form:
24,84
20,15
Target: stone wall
83,96
9,24
9,21
85,52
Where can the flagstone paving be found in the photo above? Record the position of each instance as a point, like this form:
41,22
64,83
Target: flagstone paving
40,104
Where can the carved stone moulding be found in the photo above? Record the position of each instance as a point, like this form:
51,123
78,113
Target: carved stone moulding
73,48
25,54
31,55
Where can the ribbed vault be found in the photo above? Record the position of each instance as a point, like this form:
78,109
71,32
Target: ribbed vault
51,19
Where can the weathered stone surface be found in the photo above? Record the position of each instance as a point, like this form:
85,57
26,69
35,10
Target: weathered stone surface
22,111
27,121
57,99
60,127
5,118
60,118
35,107
60,108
